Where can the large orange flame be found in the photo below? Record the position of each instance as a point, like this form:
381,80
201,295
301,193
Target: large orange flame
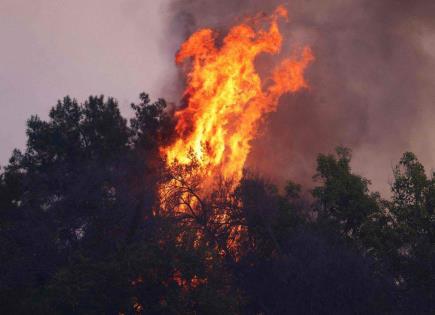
226,98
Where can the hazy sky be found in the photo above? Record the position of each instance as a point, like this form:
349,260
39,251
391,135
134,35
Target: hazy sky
372,85
51,48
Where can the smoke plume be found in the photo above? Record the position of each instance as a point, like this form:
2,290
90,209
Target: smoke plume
372,86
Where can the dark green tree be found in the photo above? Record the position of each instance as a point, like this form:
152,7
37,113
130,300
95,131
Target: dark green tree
344,198
412,207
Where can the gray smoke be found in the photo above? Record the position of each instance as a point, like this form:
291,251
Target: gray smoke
372,86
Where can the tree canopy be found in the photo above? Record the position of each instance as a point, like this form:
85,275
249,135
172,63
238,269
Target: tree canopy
82,231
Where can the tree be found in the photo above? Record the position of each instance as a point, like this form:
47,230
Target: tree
413,207
72,198
344,197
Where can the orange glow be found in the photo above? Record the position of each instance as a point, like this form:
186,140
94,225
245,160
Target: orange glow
227,99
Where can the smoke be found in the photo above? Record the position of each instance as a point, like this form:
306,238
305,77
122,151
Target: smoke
372,86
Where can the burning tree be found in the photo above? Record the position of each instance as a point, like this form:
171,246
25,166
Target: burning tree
226,101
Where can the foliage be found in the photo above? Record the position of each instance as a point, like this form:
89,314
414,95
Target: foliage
82,230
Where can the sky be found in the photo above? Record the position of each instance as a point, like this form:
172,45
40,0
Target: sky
372,86
53,48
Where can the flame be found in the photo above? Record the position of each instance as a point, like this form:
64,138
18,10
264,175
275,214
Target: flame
227,99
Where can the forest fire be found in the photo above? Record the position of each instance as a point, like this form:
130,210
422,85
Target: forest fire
234,202
227,99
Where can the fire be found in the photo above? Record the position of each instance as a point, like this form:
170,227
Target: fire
226,97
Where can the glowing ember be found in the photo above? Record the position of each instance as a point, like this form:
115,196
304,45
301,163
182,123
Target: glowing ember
226,98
